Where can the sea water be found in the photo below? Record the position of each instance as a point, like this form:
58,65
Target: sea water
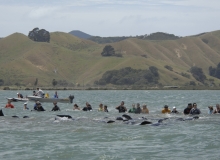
87,137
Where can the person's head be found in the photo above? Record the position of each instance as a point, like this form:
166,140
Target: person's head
100,105
37,88
189,105
217,106
174,108
9,101
210,108
105,107
194,105
55,92
54,103
144,106
122,102
166,107
38,103
25,105
133,105
138,105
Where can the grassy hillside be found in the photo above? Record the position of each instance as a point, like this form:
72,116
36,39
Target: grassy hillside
79,61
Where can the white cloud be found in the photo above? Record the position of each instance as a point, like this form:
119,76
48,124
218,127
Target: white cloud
40,12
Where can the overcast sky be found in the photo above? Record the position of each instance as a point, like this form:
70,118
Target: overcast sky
110,17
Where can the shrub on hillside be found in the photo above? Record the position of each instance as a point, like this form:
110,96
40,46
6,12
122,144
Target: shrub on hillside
168,67
1,82
215,72
198,74
185,75
130,76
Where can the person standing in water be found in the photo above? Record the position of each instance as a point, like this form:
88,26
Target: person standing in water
55,108
101,109
187,109
133,109
138,109
166,109
25,106
121,108
145,109
194,110
9,105
174,110
76,107
105,108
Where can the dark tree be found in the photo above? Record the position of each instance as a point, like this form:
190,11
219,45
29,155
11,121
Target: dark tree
198,74
108,50
54,82
154,71
1,82
39,35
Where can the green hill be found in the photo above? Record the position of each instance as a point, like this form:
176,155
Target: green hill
72,60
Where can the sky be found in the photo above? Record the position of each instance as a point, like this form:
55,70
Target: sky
108,18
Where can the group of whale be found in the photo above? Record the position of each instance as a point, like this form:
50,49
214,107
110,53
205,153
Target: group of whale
124,119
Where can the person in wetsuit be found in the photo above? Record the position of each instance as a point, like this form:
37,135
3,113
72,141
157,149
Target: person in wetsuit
55,108
88,107
39,107
121,108
105,108
187,109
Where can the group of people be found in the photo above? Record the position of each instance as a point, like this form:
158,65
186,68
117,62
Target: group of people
190,109
121,108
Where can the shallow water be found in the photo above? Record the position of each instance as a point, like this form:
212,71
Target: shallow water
43,137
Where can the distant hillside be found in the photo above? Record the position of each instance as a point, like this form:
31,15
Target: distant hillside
159,36
73,61
153,36
80,34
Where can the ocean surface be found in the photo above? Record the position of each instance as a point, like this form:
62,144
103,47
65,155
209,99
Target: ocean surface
88,136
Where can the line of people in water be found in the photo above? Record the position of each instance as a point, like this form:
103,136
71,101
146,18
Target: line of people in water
190,109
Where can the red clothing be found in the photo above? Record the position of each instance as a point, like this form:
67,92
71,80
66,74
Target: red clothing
9,105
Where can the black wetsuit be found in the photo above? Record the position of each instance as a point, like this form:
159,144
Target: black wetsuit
186,110
55,108
174,112
121,109
87,108
40,108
